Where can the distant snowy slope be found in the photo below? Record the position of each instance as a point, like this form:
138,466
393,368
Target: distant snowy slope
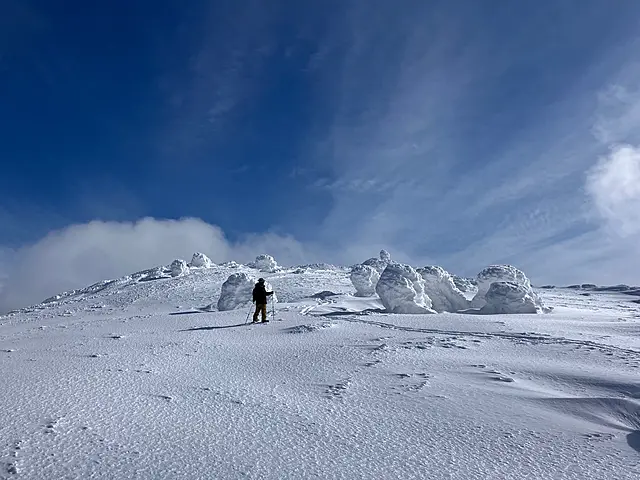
127,380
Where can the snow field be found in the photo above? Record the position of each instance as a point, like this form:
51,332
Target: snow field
130,380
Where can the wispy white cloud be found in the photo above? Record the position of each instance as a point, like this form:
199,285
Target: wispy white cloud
614,184
617,118
224,58
410,113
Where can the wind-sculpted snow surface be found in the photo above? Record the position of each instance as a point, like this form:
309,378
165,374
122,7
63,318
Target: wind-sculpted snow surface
236,291
266,263
509,297
200,260
364,279
444,294
179,267
401,290
130,379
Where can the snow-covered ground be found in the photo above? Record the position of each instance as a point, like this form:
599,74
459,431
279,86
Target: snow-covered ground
143,378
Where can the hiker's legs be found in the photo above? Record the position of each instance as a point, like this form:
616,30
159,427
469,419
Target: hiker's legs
259,309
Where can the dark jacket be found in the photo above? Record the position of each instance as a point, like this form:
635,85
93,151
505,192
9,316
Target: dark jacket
260,294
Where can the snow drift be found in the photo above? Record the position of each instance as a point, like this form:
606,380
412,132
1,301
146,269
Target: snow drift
401,290
364,279
444,294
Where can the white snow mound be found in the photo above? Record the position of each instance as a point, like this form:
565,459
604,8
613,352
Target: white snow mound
463,284
200,260
179,267
401,290
266,263
504,273
507,298
497,273
236,291
440,287
379,263
364,279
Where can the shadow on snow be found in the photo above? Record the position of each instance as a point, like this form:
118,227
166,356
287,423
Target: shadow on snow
214,328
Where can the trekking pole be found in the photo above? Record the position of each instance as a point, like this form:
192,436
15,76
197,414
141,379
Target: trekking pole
246,320
273,309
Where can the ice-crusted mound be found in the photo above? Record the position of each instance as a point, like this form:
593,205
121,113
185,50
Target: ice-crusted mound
379,263
236,291
178,267
509,297
266,263
444,294
497,273
364,279
500,273
464,284
401,290
200,260
504,273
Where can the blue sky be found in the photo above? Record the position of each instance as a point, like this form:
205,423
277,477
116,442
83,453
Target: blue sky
459,133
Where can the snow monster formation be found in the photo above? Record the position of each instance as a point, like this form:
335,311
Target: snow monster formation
379,263
464,284
236,291
444,294
178,267
200,260
266,263
509,297
401,290
510,275
364,279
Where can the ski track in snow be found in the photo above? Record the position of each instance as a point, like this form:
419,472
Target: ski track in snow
130,381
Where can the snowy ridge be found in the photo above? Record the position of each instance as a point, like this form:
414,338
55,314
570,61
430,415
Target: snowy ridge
136,378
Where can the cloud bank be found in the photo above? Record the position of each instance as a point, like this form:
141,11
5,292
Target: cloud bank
79,255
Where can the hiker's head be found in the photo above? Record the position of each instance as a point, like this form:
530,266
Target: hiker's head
261,280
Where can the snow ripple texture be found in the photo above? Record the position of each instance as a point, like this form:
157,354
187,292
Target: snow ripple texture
128,379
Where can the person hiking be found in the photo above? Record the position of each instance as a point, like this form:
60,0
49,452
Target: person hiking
260,295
